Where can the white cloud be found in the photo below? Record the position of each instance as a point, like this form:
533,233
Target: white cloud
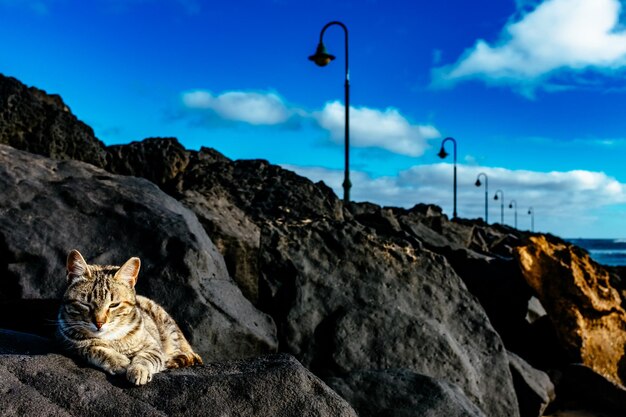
386,129
554,36
561,199
239,106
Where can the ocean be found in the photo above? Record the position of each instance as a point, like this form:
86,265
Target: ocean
604,251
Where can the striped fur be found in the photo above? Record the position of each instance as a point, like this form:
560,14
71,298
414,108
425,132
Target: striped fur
102,320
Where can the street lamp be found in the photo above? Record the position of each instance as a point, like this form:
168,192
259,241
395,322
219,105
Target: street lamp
323,58
513,204
495,197
531,211
478,184
442,154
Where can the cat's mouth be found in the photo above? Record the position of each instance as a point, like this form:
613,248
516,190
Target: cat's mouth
111,331
99,329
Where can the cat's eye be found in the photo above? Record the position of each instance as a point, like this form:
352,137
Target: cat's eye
81,305
114,305
77,307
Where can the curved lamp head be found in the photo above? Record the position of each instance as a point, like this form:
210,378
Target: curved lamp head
478,183
510,205
442,153
530,211
321,56
495,197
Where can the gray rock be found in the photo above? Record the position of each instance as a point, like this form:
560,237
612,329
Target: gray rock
50,207
235,235
346,298
534,389
403,393
233,199
272,386
535,310
482,256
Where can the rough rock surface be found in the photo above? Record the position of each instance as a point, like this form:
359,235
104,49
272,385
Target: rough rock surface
159,160
483,257
383,393
577,295
49,207
49,384
346,298
233,199
42,123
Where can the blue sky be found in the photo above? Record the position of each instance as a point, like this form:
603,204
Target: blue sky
533,92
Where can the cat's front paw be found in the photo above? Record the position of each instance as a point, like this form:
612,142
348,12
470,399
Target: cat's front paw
116,365
138,374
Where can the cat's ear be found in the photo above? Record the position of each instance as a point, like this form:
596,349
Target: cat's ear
76,266
129,271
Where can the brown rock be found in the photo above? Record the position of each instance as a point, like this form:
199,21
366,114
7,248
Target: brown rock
585,309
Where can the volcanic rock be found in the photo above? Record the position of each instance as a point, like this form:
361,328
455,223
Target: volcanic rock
159,160
49,384
233,199
49,207
347,298
483,257
41,123
383,393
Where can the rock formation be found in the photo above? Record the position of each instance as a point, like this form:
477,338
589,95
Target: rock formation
347,298
384,393
42,123
50,207
578,297
49,384
401,311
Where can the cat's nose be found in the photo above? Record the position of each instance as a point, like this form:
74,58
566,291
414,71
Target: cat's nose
99,324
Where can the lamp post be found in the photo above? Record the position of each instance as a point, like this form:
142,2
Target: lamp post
513,204
531,211
323,58
442,154
478,184
495,197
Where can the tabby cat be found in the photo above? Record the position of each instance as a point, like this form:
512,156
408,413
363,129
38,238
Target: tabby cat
102,320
